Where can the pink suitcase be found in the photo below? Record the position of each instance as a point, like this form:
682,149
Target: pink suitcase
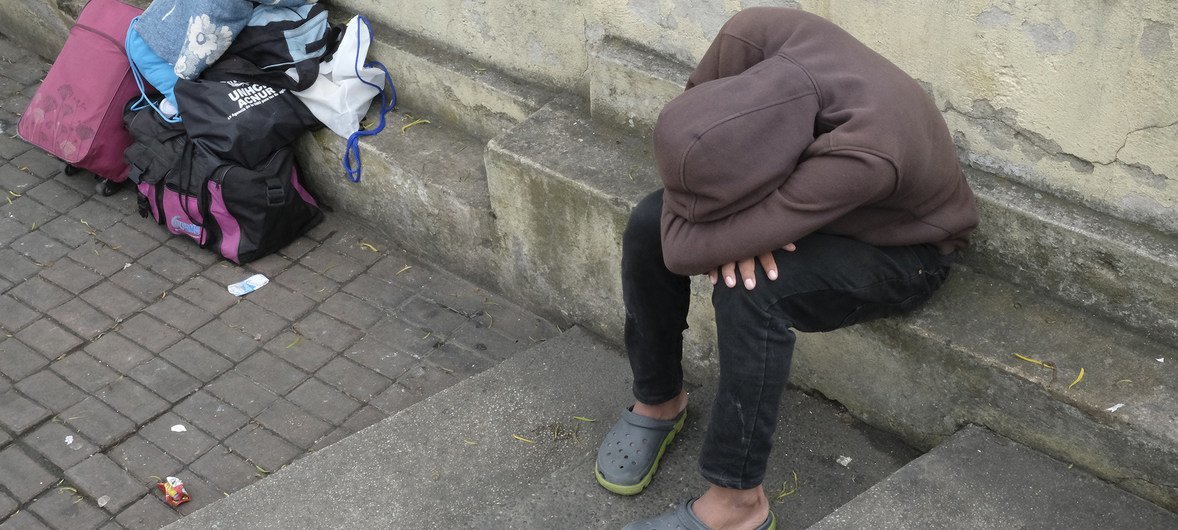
77,113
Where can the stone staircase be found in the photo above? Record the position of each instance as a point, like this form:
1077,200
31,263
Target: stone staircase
527,191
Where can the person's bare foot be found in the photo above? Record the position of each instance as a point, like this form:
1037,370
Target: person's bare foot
667,410
732,509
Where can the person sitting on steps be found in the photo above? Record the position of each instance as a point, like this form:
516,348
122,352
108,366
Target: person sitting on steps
818,187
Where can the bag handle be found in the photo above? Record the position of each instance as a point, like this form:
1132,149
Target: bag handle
143,101
352,151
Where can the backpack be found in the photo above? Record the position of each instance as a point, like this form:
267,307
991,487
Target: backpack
241,212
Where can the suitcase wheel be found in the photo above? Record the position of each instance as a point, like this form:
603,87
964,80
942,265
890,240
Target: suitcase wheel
72,170
107,188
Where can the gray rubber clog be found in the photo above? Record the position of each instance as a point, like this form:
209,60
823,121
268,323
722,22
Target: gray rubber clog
629,456
682,518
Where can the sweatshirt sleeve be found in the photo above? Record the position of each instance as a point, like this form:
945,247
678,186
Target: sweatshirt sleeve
821,189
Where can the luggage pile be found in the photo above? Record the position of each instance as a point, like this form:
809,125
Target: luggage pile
196,102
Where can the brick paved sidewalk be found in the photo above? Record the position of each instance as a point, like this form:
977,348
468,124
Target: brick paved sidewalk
114,336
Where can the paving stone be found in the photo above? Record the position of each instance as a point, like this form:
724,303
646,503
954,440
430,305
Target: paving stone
165,379
226,470
146,285
29,213
39,163
462,362
82,319
363,418
61,509
180,314
476,336
56,196
263,448
325,229
14,315
99,477
232,343
353,379
51,391
5,285
96,215
67,230
196,360
307,283
188,249
299,351
282,301
23,520
97,422
146,226
404,270
170,264
385,294
60,444
185,446
12,147
23,477
224,273
149,333
147,513
241,392
327,331
15,267
100,257
347,308
254,321
323,401
19,360
271,265
358,246
18,413
332,437
117,352
404,336
128,240
432,316
71,276
271,372
40,247
84,371
383,359
48,338
205,294
113,301
132,400
39,294
143,460
298,248
10,229
7,506
395,399
332,264
212,415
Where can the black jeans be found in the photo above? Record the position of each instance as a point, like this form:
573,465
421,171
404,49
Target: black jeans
829,282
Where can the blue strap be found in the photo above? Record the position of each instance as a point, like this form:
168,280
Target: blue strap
387,102
143,101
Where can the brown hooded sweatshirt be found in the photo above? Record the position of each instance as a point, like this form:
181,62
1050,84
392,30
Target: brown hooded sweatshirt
788,126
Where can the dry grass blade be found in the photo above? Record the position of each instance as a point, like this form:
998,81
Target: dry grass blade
412,123
1078,379
584,419
470,442
522,439
786,488
403,269
294,342
368,246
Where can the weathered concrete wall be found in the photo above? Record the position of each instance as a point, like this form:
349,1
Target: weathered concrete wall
1076,98
1079,99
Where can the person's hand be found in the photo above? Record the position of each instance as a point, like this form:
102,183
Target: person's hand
747,269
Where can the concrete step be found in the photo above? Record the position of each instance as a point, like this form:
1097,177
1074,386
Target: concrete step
453,461
954,360
979,480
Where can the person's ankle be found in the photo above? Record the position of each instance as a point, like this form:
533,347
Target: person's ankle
725,508
667,410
